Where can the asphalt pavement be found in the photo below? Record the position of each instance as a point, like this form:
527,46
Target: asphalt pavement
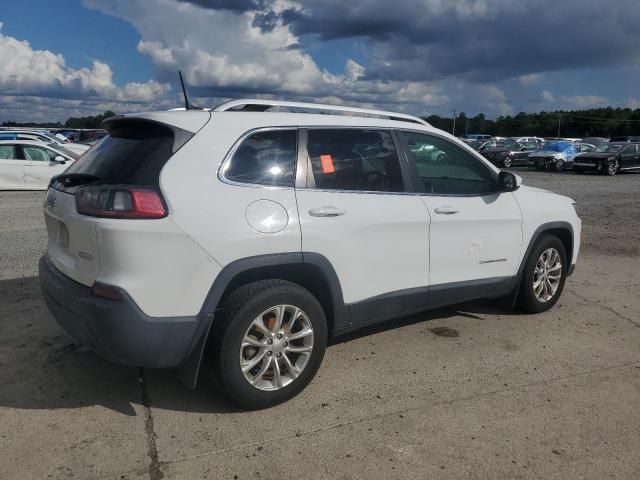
473,392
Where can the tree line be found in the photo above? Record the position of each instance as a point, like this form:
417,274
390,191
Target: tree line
88,122
595,122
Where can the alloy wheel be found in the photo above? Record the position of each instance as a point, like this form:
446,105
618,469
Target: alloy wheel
276,347
547,275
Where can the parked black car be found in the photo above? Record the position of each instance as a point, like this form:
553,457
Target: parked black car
610,158
510,153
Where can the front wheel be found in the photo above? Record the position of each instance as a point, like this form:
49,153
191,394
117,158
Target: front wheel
559,165
543,276
612,167
269,343
506,162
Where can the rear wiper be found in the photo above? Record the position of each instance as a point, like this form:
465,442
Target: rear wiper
72,179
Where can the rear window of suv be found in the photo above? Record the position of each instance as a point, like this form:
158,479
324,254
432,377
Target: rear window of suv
133,153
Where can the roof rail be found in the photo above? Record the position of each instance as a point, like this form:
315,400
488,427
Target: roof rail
260,105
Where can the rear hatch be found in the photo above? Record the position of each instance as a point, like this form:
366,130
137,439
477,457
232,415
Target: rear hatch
130,158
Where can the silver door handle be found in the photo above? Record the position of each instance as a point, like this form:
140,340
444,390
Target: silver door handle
326,212
446,210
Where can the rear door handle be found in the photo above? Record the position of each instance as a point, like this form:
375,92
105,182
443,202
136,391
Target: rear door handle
446,210
327,212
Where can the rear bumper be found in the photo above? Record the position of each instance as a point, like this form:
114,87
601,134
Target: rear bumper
117,330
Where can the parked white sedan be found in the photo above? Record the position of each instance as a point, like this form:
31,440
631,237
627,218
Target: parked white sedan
29,164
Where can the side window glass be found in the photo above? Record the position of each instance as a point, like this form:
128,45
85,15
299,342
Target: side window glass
265,158
8,152
354,159
37,154
446,169
629,149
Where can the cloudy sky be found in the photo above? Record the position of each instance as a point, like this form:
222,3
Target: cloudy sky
71,58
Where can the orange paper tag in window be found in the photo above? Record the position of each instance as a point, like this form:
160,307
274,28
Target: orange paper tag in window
327,164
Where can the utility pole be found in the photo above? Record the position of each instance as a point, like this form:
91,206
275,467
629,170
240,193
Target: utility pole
466,128
453,129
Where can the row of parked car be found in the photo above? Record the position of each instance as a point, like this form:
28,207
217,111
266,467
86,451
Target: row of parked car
607,156
30,157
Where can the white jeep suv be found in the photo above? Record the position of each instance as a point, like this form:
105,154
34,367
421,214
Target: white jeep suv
261,233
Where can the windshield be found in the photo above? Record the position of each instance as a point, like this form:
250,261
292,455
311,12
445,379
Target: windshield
608,148
68,153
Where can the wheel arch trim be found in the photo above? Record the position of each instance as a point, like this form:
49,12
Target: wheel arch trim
188,371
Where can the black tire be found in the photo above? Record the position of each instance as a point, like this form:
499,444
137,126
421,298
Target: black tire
578,170
612,167
241,308
506,162
559,165
527,300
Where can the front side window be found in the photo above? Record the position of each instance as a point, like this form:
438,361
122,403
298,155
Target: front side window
355,160
446,169
38,154
265,158
629,150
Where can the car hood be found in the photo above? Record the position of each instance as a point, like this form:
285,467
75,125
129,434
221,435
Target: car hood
526,189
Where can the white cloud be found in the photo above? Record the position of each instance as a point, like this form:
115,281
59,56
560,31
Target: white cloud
547,96
574,102
223,53
530,79
633,103
27,74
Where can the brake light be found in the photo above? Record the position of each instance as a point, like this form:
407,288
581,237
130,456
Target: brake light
119,202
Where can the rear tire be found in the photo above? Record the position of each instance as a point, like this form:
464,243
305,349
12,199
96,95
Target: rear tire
275,377
544,275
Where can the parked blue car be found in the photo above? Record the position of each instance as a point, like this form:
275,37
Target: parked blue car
553,156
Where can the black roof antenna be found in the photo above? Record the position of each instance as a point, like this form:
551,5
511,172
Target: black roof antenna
187,105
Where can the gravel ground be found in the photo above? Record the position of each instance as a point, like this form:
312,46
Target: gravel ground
468,392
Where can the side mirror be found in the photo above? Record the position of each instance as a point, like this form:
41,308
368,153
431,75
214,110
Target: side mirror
508,182
60,159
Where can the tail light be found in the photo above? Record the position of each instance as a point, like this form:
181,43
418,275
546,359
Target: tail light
120,202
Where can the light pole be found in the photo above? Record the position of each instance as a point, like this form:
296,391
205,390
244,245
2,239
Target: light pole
453,129
559,117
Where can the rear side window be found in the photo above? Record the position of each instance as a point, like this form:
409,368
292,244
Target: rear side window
133,153
8,152
265,158
354,159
